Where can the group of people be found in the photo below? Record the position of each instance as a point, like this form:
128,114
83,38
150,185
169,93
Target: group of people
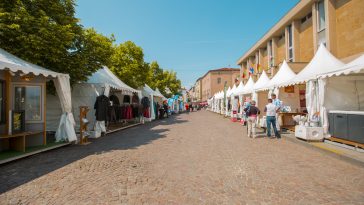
271,109
163,110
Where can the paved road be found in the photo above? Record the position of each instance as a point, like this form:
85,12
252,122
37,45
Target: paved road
196,158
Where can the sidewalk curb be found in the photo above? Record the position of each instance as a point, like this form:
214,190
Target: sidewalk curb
332,153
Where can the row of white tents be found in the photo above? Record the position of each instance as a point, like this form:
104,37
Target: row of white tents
61,108
330,85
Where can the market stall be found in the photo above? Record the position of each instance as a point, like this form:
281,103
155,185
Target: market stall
112,104
23,112
227,102
245,94
323,62
238,90
341,101
233,105
148,98
292,98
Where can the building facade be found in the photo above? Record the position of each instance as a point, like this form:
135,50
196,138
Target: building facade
198,91
215,80
338,24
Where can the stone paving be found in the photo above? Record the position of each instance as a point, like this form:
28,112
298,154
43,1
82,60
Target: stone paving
196,158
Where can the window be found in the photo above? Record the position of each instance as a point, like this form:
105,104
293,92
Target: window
218,80
321,23
29,98
306,18
290,43
270,54
2,101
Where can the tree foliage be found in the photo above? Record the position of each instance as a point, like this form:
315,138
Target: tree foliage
128,64
48,34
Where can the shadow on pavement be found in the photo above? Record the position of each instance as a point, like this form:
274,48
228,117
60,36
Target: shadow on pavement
24,170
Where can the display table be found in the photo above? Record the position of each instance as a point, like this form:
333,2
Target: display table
286,119
17,141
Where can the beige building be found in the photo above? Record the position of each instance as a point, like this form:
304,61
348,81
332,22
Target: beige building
214,81
336,23
197,91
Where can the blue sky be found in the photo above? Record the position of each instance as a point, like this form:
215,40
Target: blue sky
187,36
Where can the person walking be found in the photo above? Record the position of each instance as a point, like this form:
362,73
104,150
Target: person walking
165,107
252,113
278,105
271,111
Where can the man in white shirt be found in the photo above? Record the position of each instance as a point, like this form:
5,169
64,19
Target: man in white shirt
271,111
278,104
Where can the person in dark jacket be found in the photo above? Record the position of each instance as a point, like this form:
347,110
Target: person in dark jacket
252,113
165,107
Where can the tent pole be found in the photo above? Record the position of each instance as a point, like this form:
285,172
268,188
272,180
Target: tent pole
44,115
7,102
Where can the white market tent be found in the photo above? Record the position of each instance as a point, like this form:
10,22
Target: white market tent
231,93
240,88
248,88
159,94
263,80
106,77
341,90
283,75
85,94
149,92
228,92
322,62
355,66
65,124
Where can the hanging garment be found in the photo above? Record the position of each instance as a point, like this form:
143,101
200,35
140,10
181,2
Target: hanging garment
145,102
114,99
146,113
101,107
126,99
135,98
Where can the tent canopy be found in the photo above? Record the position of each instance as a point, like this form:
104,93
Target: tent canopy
149,91
262,81
105,76
157,93
355,66
248,88
239,88
15,64
231,91
283,75
322,62
61,81
228,92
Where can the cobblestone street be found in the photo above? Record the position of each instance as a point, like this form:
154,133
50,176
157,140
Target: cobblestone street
196,158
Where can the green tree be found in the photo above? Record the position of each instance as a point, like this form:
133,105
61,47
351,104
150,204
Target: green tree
163,79
128,64
48,34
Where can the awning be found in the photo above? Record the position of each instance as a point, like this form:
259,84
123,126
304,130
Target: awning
283,75
322,62
105,76
240,88
231,91
262,81
15,64
159,94
248,88
61,81
355,66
